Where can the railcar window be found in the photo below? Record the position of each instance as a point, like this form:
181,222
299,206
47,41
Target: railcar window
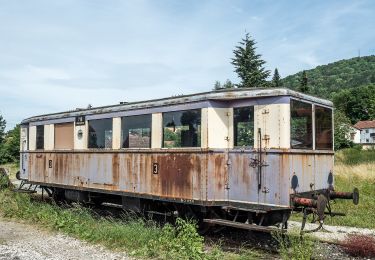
39,137
64,136
182,129
323,128
136,131
243,126
100,133
301,125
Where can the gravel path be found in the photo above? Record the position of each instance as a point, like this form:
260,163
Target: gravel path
331,233
23,242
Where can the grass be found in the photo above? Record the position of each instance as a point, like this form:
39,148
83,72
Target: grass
347,177
11,168
134,235
354,156
292,247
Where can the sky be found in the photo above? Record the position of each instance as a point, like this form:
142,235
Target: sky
61,55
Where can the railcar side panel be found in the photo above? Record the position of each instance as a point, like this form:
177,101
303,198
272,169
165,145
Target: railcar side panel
222,176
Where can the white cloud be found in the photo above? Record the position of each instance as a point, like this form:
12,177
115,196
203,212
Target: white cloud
61,55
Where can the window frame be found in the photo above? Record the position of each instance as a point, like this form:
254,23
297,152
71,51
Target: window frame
312,125
199,133
122,137
234,127
39,138
88,134
332,127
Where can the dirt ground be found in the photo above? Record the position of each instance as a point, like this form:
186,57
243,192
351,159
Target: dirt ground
23,242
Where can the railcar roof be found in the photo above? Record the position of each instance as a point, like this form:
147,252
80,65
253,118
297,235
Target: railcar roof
218,95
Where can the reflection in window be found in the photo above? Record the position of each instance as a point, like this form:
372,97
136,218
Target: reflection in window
40,137
243,126
182,128
323,128
300,124
100,133
136,131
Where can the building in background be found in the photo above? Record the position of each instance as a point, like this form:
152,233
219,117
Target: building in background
367,135
355,135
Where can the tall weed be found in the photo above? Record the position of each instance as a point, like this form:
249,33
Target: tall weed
293,247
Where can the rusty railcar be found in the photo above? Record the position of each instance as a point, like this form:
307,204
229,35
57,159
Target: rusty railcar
230,157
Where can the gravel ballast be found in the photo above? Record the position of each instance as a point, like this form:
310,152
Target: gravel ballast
23,242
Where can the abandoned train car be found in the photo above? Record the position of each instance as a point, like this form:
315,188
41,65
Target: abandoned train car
229,156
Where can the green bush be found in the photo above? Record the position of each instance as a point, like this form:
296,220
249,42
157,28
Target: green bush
180,242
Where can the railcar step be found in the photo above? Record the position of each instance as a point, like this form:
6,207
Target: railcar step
229,223
24,191
167,214
245,209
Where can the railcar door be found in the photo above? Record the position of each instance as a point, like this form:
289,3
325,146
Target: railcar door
243,182
242,170
269,125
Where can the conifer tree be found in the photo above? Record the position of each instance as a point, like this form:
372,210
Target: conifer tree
276,79
249,65
304,88
228,84
217,85
2,129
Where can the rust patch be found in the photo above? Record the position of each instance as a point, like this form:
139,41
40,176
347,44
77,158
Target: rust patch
115,169
175,175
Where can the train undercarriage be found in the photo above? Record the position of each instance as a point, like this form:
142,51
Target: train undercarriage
315,203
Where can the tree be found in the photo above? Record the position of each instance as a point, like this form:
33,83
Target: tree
9,149
357,103
276,79
227,84
303,83
249,65
2,129
342,130
217,85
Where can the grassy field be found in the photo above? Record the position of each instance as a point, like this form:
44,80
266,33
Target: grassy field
354,156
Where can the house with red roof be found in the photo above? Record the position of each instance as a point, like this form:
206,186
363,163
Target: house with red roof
367,129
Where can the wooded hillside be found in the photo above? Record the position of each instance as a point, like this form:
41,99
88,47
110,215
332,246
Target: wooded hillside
326,80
